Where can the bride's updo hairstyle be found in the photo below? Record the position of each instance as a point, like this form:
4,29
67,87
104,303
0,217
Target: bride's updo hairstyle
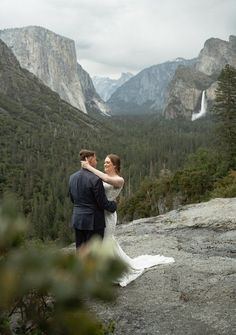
115,161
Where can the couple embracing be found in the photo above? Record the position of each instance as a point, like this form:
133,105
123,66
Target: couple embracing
90,195
93,195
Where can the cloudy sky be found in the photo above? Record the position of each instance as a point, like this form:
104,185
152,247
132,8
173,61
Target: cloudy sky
115,36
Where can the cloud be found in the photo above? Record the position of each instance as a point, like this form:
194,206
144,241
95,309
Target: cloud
127,35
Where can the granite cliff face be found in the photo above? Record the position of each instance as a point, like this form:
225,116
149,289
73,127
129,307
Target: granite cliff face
93,101
184,92
106,86
186,88
25,99
216,54
52,58
145,92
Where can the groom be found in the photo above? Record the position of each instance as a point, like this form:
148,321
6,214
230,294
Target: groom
88,196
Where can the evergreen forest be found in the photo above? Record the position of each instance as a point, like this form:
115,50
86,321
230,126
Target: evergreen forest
165,163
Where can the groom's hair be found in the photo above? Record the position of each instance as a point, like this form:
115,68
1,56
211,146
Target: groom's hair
84,153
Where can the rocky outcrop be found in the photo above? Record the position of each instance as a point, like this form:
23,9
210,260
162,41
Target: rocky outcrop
52,58
93,101
106,86
186,88
195,295
216,54
25,99
145,92
184,92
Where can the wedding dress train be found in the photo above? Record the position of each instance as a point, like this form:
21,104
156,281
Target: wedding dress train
135,266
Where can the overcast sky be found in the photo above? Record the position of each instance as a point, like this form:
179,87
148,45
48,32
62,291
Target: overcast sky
115,36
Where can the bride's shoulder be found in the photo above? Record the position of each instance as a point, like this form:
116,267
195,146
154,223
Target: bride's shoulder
121,179
120,182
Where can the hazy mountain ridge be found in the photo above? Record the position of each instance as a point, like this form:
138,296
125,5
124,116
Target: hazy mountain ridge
174,89
146,91
106,86
52,58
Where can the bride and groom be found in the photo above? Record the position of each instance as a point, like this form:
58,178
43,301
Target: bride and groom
93,194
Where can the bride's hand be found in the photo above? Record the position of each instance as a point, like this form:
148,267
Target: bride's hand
84,164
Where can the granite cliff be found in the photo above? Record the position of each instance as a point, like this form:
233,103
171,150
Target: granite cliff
185,89
93,101
52,58
27,105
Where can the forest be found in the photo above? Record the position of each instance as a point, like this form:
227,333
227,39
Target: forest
165,163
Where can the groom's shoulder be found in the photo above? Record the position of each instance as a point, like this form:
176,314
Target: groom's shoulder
85,174
88,174
92,176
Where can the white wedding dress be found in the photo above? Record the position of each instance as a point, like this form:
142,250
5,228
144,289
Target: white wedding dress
137,265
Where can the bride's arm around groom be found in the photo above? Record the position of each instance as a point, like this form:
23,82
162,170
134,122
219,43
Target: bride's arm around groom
111,169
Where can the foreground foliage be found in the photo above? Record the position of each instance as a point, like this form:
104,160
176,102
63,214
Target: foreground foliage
45,290
225,112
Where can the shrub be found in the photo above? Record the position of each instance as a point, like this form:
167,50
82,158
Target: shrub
45,290
225,187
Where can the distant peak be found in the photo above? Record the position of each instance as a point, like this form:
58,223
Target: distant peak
125,75
180,59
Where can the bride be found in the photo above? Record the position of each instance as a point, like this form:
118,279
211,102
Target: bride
113,184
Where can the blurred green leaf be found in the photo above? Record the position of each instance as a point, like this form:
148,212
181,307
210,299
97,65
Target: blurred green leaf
44,289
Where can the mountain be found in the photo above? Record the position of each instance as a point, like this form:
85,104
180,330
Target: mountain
146,91
174,89
106,86
52,58
23,95
40,136
93,101
185,89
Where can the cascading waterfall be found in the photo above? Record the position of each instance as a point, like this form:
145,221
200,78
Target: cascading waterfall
203,109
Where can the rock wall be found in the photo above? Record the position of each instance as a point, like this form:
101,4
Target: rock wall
93,101
216,54
52,58
185,90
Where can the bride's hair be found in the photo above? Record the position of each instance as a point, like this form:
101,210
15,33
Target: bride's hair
115,161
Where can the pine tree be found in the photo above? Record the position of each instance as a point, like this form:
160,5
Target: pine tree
225,110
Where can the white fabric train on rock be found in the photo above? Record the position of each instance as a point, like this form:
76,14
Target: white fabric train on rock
135,266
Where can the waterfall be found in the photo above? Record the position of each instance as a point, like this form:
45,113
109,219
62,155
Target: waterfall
203,109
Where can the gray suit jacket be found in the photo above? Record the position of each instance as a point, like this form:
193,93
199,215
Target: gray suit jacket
88,196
